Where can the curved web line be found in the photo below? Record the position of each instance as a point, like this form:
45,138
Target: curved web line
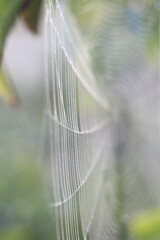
96,96
96,160
94,129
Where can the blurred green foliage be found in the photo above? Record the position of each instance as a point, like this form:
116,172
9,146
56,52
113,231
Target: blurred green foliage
6,90
24,214
29,10
146,225
8,12
16,232
9,9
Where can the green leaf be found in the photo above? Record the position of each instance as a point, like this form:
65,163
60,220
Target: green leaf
31,14
8,12
146,226
6,91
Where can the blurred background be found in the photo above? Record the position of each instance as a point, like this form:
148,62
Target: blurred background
24,212
113,31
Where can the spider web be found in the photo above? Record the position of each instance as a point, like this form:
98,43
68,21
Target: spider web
85,136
